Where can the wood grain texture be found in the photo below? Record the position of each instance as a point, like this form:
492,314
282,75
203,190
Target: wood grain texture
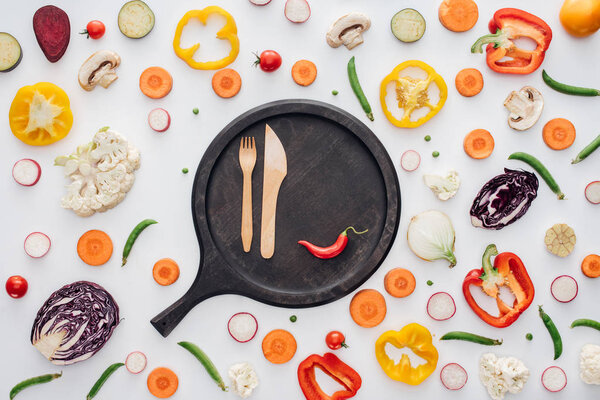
247,156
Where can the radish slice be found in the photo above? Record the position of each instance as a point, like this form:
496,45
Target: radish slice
136,362
554,379
297,11
260,2
37,244
27,172
453,376
242,327
592,192
410,160
564,288
441,306
159,119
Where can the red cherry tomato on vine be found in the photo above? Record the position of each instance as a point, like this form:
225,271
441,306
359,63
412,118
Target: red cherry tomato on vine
269,60
94,29
335,340
16,286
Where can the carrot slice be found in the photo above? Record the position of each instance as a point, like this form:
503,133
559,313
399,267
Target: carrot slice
94,247
590,266
165,271
226,82
162,382
458,15
368,308
279,346
559,133
399,282
156,82
304,72
469,82
479,144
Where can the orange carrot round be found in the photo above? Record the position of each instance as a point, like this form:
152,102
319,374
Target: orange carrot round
368,308
94,247
304,72
458,15
165,271
479,144
162,382
399,282
558,133
469,82
226,83
279,346
590,266
156,82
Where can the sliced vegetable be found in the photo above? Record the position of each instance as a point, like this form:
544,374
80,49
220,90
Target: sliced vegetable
399,282
553,331
304,72
431,236
458,15
94,247
592,192
357,89
479,144
335,368
347,30
590,266
453,376
540,169
558,133
99,69
159,119
333,250
564,288
226,83
11,53
410,160
156,82
133,237
206,363
16,286
52,30
37,244
136,19
31,382
444,187
297,11
165,271
260,2
336,340
554,379
408,25
568,89
469,82
102,380
368,308
162,382
27,172
471,337
525,108
560,239
242,327
587,150
441,306
136,362
269,60
94,29
279,346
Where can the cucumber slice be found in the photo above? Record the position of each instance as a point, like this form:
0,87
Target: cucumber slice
408,25
10,52
136,19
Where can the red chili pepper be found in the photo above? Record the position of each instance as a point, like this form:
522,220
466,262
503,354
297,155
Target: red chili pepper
336,369
333,250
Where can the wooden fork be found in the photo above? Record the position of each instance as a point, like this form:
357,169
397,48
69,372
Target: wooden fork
247,161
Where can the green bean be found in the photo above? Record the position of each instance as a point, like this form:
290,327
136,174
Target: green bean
587,150
358,89
105,375
568,89
206,362
553,331
470,337
133,236
540,169
590,323
32,381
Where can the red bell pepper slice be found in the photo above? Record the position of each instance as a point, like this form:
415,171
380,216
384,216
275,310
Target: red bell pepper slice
506,25
336,369
508,270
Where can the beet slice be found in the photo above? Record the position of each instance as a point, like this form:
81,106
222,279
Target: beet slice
52,31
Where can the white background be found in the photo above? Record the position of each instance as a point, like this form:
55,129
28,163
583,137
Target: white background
162,192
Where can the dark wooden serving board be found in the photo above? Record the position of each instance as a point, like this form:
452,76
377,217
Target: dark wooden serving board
339,174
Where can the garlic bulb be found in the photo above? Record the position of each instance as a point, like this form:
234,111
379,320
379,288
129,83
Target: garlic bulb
431,236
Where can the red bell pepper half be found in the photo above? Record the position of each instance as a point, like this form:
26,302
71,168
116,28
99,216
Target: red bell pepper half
336,369
506,25
508,270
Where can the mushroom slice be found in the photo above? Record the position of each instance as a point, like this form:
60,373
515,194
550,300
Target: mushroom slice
99,69
347,30
525,108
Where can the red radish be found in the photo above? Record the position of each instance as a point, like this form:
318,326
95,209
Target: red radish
592,192
27,172
52,30
159,119
136,362
242,327
564,288
37,244
441,306
260,2
453,376
297,11
410,160
554,379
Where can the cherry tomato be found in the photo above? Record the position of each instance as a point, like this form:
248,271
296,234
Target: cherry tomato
94,29
335,340
269,60
16,286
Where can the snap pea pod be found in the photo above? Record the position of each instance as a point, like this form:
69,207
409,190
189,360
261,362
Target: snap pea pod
133,237
206,362
540,169
105,375
32,381
568,89
355,84
553,331
471,337
590,323
587,150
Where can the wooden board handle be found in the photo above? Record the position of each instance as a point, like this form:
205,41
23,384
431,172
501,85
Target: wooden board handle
167,320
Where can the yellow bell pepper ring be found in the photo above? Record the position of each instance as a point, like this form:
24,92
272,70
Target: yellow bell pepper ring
40,114
415,337
227,32
412,94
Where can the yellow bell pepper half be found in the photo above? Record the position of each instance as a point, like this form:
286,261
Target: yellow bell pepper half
227,32
412,94
415,337
40,114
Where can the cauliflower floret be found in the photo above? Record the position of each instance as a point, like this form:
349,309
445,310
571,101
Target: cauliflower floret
243,379
444,187
502,374
111,148
589,364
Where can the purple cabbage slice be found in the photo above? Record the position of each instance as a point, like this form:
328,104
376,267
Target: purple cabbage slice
74,323
504,199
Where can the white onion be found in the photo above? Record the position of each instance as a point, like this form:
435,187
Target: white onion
431,236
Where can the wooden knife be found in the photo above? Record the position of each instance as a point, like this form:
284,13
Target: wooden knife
274,172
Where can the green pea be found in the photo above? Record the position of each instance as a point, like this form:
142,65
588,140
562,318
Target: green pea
435,154
195,110
185,170
429,283
529,336
427,138
334,92
293,318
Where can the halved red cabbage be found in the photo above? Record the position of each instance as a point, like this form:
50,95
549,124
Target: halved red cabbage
504,199
74,323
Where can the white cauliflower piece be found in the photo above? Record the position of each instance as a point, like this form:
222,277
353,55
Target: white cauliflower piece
589,364
243,379
102,172
502,374
444,187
